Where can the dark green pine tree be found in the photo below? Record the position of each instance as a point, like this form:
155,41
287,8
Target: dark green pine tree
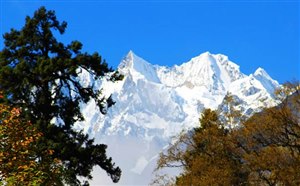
39,74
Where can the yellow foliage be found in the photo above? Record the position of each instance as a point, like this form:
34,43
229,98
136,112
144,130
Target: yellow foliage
264,150
18,151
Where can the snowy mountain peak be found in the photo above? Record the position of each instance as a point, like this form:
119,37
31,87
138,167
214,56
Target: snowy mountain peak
127,61
204,59
206,54
157,98
130,53
261,72
213,72
137,68
267,82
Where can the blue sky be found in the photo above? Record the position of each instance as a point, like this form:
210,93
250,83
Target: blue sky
251,33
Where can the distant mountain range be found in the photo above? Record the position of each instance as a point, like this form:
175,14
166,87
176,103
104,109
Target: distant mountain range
154,103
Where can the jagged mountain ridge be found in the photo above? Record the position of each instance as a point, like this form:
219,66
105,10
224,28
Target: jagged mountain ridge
160,98
154,103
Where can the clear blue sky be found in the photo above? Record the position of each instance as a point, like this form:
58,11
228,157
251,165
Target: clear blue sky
252,33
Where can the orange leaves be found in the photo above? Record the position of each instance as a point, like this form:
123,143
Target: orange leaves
18,150
15,112
19,160
50,152
264,150
17,138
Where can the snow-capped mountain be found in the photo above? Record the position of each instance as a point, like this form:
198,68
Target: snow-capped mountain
154,103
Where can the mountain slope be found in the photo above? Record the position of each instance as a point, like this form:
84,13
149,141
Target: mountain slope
154,103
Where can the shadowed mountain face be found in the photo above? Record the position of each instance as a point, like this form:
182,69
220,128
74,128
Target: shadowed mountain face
155,102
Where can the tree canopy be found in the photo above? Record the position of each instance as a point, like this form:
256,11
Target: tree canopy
264,150
18,139
39,75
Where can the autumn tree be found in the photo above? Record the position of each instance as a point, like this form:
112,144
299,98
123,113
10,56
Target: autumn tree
269,142
40,75
204,154
263,150
18,158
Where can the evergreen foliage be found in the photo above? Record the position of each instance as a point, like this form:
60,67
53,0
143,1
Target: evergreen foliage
40,75
264,150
